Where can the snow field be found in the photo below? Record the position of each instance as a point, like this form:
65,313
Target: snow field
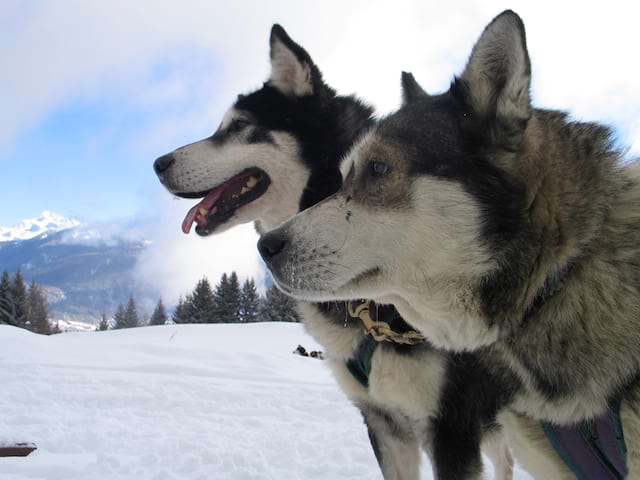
189,402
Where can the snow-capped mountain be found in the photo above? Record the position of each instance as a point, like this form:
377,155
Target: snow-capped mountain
84,269
47,222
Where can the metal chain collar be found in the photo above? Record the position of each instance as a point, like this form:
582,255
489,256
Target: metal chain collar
381,331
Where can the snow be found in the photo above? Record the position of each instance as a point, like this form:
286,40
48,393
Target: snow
47,222
177,402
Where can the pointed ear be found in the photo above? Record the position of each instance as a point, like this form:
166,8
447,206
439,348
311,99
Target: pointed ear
292,70
411,90
495,83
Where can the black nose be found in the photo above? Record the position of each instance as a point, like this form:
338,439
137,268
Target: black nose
162,163
270,245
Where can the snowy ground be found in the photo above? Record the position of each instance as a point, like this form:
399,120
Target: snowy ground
177,402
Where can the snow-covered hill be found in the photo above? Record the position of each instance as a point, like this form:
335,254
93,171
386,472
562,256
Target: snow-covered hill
192,402
82,277
47,222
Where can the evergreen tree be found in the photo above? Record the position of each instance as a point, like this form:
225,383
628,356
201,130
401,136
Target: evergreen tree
234,299
19,297
37,311
188,310
222,311
249,301
202,305
178,315
278,307
119,318
227,297
103,325
159,316
131,314
7,315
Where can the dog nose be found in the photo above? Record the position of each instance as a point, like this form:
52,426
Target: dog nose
163,163
270,245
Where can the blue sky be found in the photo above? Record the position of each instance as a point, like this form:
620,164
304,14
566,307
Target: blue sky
87,157
93,92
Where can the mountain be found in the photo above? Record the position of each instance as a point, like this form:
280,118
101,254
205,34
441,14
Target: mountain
48,222
82,273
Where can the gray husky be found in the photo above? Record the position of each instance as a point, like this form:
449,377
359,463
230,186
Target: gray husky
278,151
491,224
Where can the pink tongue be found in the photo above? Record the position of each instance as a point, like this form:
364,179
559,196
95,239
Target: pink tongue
207,203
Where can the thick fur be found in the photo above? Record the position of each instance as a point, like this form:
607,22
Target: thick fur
418,397
462,209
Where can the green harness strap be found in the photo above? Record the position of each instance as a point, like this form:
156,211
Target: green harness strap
360,364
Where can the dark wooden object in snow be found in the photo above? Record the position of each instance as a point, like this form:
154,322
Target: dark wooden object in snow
17,449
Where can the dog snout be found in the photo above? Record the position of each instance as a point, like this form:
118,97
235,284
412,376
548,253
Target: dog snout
163,163
271,245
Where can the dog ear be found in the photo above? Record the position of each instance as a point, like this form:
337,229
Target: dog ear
495,83
292,71
411,90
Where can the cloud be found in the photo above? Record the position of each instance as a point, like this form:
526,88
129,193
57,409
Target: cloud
108,233
174,262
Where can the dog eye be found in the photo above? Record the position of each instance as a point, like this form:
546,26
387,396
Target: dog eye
378,168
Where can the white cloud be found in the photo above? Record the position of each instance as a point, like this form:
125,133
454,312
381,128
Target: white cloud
583,54
174,262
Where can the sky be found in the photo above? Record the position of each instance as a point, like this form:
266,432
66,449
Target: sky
93,92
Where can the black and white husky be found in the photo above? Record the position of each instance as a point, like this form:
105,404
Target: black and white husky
277,152
489,223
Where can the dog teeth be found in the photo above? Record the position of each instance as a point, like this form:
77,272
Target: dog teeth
235,195
203,211
244,190
252,182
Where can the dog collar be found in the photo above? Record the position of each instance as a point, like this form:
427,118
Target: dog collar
381,323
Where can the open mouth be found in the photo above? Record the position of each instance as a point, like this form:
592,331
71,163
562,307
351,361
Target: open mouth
220,203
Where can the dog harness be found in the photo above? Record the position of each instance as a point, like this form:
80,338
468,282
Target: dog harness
593,449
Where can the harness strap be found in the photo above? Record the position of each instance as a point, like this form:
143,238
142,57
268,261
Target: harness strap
360,364
594,449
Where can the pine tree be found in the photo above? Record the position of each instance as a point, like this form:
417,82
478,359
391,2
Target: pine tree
19,297
119,318
234,299
131,314
159,316
178,315
103,325
37,311
222,312
188,310
202,303
278,307
249,301
7,315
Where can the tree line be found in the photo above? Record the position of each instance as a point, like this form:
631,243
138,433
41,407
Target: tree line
24,307
228,302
